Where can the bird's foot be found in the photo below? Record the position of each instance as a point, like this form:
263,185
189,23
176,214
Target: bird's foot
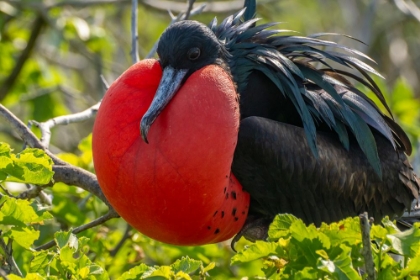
255,228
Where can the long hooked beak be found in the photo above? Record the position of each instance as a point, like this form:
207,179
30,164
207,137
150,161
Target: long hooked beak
168,86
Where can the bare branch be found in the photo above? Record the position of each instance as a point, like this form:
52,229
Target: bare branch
367,247
25,134
45,127
64,172
134,32
127,234
7,248
8,83
3,274
181,16
36,191
211,6
108,216
190,6
72,175
75,3
104,82
6,191
408,7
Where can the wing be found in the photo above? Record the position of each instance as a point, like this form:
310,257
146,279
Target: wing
274,163
322,97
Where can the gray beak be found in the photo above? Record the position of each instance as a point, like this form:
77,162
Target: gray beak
168,86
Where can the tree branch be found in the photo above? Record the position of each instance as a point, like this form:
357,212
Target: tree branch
36,191
108,216
190,6
72,175
409,8
134,32
367,247
72,3
180,16
3,274
7,248
11,79
211,6
64,172
126,235
22,130
45,127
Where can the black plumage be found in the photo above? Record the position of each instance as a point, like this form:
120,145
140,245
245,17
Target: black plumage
310,143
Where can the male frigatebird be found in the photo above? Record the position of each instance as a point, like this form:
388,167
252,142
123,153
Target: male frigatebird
238,124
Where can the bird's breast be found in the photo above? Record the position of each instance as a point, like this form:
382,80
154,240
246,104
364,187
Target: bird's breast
178,188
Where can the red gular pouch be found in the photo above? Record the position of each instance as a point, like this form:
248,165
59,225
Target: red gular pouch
179,188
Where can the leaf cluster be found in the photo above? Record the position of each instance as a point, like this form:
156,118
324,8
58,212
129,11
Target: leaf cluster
333,251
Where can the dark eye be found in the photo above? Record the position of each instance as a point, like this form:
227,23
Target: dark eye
193,53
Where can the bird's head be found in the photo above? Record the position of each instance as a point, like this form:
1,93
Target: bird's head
184,47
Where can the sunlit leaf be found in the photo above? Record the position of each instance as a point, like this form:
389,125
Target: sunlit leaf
134,273
31,166
280,226
40,261
186,265
66,239
256,251
406,243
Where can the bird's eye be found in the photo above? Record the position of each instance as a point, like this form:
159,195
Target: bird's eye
194,53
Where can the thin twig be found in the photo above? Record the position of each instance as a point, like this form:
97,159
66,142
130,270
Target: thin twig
7,248
181,16
70,3
409,8
134,32
108,216
190,6
212,6
104,81
126,235
36,191
64,172
6,191
25,134
45,127
8,83
367,247
3,274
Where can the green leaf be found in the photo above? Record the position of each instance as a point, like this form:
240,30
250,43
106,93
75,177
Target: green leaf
406,243
300,231
40,261
209,267
134,273
256,251
20,212
346,231
5,159
412,268
29,276
280,226
31,166
64,238
186,265
67,255
306,273
161,272
24,236
340,266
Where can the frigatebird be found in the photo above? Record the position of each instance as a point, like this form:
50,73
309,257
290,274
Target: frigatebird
309,142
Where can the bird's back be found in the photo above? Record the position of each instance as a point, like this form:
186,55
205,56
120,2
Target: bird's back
310,142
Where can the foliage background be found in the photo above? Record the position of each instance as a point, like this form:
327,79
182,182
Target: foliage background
52,56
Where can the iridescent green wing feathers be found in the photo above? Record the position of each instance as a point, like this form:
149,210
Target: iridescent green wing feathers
319,95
